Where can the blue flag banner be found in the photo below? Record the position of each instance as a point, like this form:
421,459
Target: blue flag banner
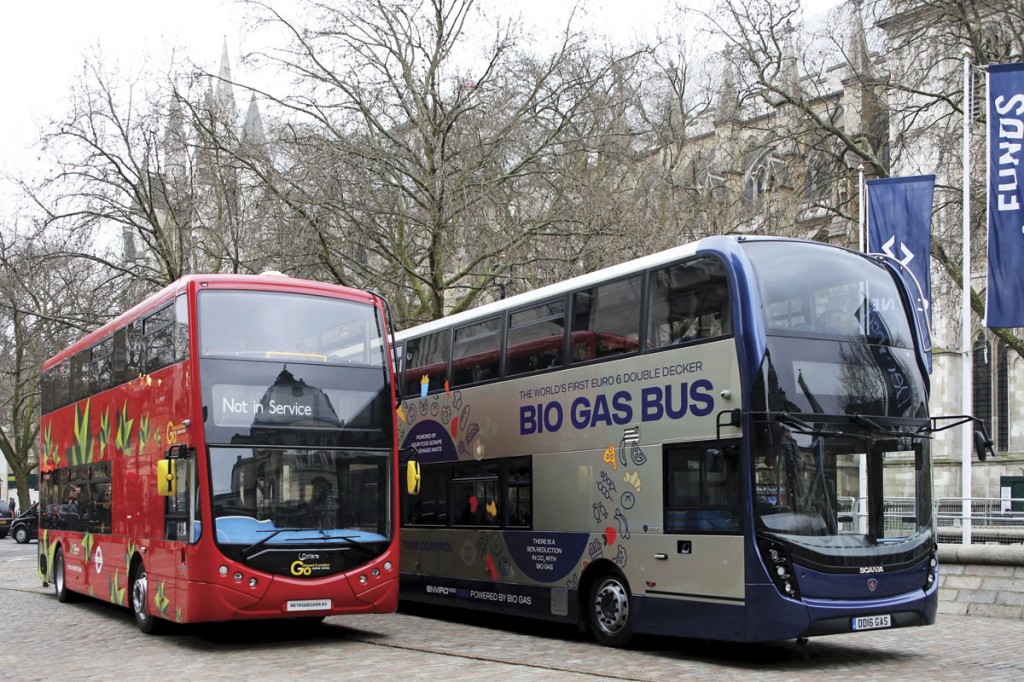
1005,301
900,226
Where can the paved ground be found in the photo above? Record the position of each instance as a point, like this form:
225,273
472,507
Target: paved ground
44,639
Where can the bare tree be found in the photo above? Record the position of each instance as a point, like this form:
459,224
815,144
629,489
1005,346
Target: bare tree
420,167
149,195
46,301
894,102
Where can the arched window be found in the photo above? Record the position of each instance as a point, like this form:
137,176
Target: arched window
764,172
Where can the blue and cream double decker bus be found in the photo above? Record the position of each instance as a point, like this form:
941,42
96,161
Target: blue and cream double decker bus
727,440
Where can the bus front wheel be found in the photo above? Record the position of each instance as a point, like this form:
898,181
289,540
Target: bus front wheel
60,585
611,618
147,622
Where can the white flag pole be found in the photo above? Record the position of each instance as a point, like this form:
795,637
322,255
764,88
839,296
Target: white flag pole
862,244
967,391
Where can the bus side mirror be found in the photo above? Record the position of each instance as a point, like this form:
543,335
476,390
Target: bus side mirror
412,477
983,445
165,477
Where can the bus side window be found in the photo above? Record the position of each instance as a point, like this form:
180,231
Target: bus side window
689,302
119,358
536,338
606,319
56,386
476,355
133,350
158,338
702,489
100,374
430,507
427,358
180,329
519,508
79,379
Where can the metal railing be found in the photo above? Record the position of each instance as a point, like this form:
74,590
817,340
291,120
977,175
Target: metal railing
991,520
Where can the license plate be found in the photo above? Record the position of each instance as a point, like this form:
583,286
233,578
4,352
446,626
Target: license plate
309,605
872,622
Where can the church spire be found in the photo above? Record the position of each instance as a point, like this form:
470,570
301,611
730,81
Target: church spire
252,129
728,107
858,55
224,92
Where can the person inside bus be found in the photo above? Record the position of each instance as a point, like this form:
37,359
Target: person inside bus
470,511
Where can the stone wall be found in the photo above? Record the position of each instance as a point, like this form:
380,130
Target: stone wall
981,580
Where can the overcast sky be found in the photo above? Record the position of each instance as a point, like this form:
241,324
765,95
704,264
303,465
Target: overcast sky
43,42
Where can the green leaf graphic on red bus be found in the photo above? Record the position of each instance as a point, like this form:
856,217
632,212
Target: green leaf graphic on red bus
49,447
117,593
124,431
104,432
160,598
87,543
80,451
143,433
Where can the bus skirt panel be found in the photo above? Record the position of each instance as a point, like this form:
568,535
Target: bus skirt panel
533,601
212,602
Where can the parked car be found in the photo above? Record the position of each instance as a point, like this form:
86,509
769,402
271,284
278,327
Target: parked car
6,518
26,526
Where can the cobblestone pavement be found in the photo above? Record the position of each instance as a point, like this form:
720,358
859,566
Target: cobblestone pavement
44,639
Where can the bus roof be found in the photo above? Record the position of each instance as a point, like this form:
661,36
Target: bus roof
270,281
591,278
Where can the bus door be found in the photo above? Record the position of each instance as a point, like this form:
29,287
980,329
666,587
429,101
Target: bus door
702,519
181,524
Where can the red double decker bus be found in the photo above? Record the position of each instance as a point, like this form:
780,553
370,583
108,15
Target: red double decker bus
225,450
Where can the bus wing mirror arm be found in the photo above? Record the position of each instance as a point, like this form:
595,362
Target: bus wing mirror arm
733,418
983,445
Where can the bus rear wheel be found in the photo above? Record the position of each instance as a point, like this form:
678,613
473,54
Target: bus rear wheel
60,585
611,618
147,622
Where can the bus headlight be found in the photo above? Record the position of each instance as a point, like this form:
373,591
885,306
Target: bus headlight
780,568
931,571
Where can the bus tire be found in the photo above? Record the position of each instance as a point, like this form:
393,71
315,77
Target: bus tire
60,583
610,610
139,586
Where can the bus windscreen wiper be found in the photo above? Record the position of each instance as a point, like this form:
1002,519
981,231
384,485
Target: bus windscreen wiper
247,552
800,424
867,421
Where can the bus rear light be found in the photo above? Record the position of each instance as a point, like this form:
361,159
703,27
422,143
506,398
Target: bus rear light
238,577
223,570
363,579
387,565
376,572
252,582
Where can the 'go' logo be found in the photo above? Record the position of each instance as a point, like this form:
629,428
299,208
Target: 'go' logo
300,568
